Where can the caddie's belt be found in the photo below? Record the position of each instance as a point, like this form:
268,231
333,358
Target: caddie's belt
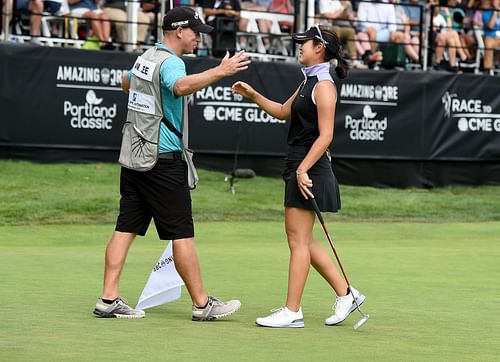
170,155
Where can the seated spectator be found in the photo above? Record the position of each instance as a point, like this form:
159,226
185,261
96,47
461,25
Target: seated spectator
413,14
183,3
457,16
444,36
225,11
151,8
376,24
116,11
283,7
477,19
88,9
378,21
32,7
338,15
263,24
491,23
402,34
257,5
364,49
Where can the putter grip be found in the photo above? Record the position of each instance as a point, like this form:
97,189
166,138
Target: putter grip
316,208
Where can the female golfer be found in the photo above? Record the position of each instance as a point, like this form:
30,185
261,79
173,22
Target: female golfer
308,173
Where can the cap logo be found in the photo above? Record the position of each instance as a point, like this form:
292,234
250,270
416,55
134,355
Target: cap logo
179,23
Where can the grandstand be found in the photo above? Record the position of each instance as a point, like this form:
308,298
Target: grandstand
417,34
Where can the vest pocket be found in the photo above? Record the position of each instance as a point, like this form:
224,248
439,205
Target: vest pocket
138,151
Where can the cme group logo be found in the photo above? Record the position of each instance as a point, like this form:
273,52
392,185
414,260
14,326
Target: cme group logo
471,114
209,113
220,104
463,125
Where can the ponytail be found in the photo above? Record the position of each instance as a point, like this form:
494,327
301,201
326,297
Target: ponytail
334,53
341,66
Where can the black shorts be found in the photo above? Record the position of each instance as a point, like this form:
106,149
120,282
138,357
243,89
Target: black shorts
160,194
325,186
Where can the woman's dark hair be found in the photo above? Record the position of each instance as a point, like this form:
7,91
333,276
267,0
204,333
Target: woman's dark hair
334,51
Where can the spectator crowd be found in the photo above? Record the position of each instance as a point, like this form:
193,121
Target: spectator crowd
458,35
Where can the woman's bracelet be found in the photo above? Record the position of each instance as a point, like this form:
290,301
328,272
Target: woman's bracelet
300,173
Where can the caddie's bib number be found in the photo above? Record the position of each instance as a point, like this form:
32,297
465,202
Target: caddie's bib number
144,69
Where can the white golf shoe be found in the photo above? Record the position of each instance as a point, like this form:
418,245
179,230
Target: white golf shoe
344,306
282,318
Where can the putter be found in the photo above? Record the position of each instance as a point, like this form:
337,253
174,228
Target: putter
365,317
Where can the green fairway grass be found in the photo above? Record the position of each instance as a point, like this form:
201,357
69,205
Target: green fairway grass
40,194
432,293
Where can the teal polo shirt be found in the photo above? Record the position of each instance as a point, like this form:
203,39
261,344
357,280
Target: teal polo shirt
171,70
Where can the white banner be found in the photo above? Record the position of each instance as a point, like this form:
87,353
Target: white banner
164,283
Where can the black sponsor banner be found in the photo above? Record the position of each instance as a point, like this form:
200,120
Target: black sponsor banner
379,115
67,98
62,97
463,118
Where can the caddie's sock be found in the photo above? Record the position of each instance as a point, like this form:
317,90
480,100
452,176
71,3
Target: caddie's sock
203,306
108,301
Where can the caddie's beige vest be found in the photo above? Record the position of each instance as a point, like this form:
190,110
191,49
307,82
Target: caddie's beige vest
141,131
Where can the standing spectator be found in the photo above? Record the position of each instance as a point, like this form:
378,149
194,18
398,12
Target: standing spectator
491,21
89,9
339,15
116,11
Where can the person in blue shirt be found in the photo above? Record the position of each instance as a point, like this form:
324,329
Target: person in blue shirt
162,193
491,23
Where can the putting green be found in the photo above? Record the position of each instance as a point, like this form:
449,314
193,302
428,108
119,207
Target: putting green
432,293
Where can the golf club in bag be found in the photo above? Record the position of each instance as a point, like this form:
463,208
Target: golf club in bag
349,290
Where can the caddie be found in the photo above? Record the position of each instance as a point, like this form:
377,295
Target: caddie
154,174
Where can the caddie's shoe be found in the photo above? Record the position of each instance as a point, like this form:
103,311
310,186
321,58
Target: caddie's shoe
282,318
344,306
214,309
118,309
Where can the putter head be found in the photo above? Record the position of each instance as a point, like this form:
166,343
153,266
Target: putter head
361,321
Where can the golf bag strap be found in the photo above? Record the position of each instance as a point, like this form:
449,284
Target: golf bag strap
171,127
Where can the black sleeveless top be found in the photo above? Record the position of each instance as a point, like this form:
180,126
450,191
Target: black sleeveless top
304,128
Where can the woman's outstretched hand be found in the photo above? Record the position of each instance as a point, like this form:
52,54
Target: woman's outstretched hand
244,89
